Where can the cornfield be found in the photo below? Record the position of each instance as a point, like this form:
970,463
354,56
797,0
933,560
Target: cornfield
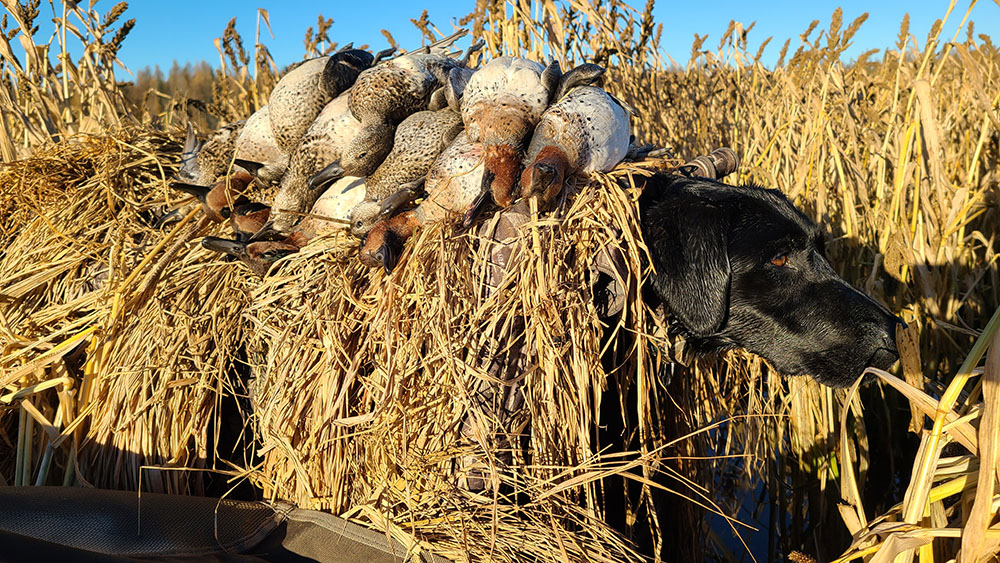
131,358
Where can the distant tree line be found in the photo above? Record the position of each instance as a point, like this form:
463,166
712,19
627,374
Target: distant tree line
184,89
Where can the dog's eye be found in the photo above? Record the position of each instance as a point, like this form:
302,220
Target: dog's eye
779,260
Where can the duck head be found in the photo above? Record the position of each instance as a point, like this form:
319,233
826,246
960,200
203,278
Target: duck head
217,200
248,219
363,217
501,164
383,245
545,176
504,131
295,197
368,149
342,70
258,256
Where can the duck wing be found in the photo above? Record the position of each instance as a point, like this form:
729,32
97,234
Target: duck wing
296,101
256,143
189,157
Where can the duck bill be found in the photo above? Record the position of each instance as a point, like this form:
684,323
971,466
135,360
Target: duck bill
267,232
476,208
383,54
403,197
545,179
189,157
200,192
167,218
550,79
546,175
390,251
248,165
322,179
234,248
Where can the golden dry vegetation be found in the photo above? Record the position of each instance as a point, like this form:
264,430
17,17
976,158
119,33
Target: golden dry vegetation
124,347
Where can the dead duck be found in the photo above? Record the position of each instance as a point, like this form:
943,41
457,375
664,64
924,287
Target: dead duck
211,159
203,165
388,93
501,104
585,131
218,200
327,215
418,141
323,142
303,92
258,256
453,182
257,149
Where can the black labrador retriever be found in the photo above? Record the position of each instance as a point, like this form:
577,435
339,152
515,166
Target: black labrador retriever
741,267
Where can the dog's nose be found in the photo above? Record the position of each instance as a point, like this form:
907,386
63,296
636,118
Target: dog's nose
889,336
885,352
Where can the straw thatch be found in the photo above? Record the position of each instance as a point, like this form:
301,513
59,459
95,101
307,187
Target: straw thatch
392,381
79,273
396,381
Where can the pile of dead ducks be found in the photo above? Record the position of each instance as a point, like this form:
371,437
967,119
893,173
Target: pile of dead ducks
382,144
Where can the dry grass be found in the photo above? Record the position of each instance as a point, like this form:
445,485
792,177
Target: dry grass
42,101
379,440
121,345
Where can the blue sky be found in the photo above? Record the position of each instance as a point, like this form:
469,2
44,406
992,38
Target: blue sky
183,30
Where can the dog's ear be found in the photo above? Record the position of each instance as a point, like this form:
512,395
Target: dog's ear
687,238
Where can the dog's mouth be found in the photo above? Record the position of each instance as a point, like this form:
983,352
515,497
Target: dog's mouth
882,358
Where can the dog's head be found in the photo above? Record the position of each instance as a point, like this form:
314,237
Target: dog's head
740,266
